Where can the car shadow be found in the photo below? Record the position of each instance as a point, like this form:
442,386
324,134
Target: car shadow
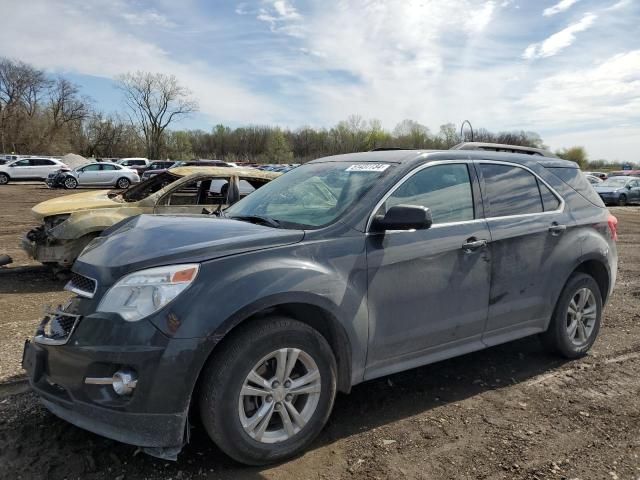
392,398
370,405
29,279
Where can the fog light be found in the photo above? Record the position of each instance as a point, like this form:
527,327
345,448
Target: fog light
124,381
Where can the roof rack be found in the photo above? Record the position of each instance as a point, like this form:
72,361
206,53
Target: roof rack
388,149
502,147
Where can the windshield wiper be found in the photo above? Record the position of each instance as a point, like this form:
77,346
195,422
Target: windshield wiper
271,222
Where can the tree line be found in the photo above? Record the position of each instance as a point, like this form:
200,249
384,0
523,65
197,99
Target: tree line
43,114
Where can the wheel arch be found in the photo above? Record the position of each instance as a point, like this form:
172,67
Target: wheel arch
317,316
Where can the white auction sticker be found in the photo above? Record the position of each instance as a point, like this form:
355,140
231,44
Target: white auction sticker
368,167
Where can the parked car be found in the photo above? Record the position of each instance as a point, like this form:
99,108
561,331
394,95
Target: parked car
619,190
70,222
625,173
190,163
345,269
32,168
157,166
600,175
593,180
93,174
137,163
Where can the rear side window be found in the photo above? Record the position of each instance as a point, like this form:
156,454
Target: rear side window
549,201
510,190
577,180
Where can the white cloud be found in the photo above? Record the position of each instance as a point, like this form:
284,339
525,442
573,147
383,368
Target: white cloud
561,6
614,144
148,18
560,40
603,94
77,39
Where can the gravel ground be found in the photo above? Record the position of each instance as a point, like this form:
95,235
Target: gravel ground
511,412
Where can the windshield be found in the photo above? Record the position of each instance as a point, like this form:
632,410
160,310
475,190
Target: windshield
144,189
614,182
312,195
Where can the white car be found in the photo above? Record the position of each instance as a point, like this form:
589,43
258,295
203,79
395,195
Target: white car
31,168
94,174
137,163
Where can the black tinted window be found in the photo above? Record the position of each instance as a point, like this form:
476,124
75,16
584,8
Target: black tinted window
444,189
576,180
22,163
510,190
41,162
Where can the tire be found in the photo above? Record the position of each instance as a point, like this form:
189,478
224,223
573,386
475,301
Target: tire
4,178
70,183
559,338
622,200
223,412
123,183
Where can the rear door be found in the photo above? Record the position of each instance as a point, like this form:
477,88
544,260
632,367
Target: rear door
108,174
46,166
527,221
634,191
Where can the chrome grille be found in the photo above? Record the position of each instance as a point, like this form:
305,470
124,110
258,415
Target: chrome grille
83,286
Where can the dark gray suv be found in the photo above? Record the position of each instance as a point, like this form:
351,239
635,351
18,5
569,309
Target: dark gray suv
343,270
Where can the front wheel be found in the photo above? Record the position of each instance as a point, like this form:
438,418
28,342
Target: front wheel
123,183
576,319
70,183
269,391
622,200
4,178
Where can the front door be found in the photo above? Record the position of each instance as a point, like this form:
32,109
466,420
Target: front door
429,289
89,175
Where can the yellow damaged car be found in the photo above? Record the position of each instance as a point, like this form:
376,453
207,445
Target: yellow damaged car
70,222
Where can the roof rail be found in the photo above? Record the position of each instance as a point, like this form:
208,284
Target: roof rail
502,147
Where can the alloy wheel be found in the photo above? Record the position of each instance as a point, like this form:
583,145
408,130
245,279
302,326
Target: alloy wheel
279,395
123,183
581,316
70,183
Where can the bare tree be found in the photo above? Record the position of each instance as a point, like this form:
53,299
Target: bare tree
65,103
154,101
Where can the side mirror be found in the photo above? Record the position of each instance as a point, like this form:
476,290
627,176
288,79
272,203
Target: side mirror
628,187
403,217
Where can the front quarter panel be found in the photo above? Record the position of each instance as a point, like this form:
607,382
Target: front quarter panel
327,274
89,221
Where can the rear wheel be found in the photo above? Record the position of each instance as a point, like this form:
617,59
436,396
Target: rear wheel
576,319
4,178
622,200
269,391
123,183
70,183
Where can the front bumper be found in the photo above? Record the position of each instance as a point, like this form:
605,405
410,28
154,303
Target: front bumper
154,416
62,252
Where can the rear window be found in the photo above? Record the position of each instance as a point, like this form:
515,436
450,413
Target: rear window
578,181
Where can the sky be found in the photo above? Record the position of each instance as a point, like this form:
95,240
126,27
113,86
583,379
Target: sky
567,69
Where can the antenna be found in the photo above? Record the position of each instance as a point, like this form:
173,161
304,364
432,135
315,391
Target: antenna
462,127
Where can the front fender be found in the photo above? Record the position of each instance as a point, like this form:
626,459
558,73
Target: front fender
91,221
230,290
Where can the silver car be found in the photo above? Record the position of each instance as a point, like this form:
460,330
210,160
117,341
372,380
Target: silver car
94,174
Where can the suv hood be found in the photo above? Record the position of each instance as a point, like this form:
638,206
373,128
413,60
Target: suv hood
153,240
73,203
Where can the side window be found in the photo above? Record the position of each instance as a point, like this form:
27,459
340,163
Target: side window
510,190
23,163
444,189
91,168
549,201
41,162
108,167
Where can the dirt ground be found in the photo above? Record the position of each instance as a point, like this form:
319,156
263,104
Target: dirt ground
511,412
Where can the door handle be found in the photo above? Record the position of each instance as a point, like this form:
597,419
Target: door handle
556,229
471,245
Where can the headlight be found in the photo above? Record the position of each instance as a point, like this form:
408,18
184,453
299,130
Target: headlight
142,293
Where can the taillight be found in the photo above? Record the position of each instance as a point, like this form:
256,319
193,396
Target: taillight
613,227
